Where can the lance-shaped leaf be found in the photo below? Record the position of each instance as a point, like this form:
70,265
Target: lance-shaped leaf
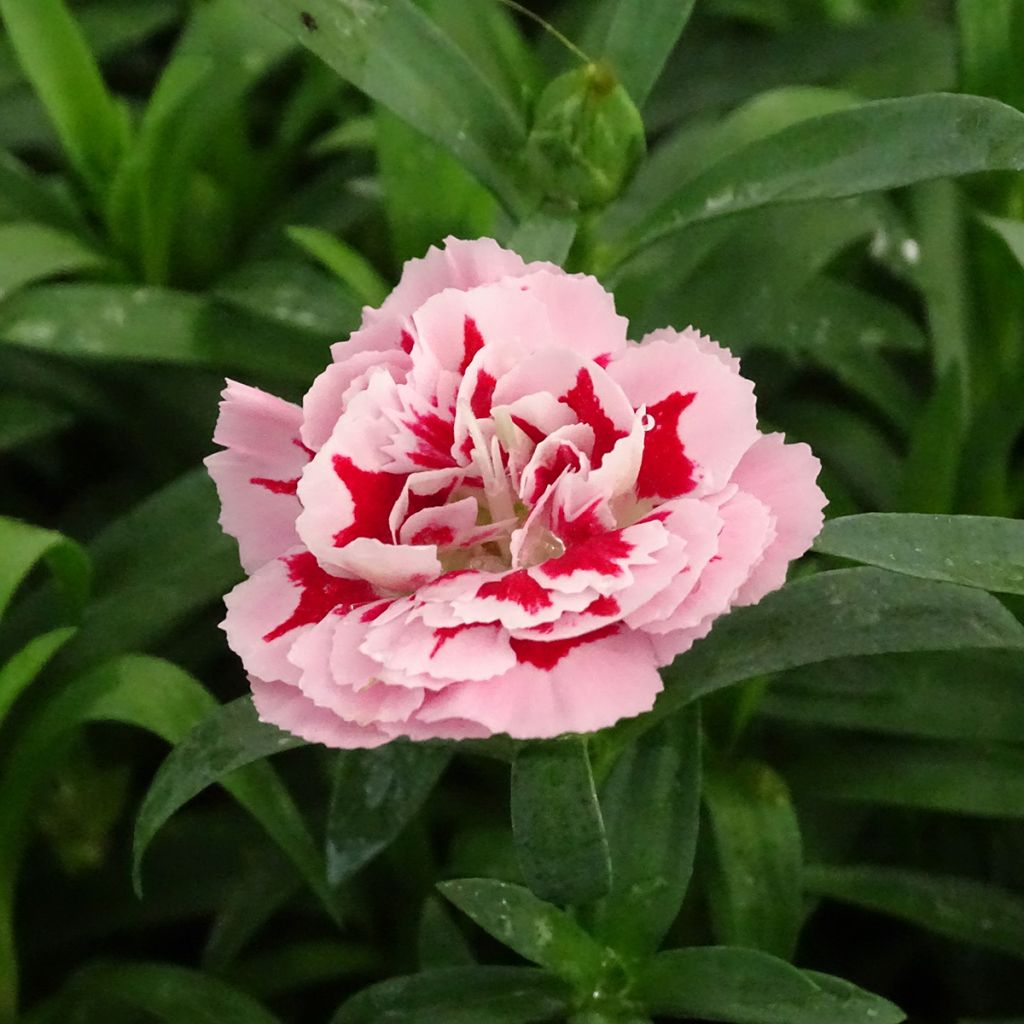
984,780
651,808
636,37
754,882
744,986
833,615
460,995
977,551
881,145
376,794
395,54
556,821
228,738
23,545
535,929
959,908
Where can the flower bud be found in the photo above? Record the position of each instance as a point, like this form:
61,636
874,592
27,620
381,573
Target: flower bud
587,138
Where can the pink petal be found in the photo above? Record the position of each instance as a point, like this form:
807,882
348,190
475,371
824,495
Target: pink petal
702,413
267,613
257,474
289,709
782,476
591,686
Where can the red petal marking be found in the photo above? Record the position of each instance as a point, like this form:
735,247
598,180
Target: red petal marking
603,605
665,471
564,458
596,554
406,342
437,436
298,444
472,342
546,654
444,633
440,535
321,593
373,497
276,486
583,401
532,432
375,611
586,525
603,360
418,502
519,588
483,393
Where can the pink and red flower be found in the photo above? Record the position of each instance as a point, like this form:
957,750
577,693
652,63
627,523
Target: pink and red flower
494,514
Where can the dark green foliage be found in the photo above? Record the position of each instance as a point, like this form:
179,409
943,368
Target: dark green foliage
831,785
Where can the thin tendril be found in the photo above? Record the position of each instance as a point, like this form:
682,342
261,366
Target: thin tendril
548,27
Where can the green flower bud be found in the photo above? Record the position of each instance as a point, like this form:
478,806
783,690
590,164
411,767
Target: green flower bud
587,138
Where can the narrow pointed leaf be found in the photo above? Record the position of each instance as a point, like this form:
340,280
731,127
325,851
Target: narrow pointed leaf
654,792
23,545
460,995
983,780
227,739
962,909
399,57
636,37
556,821
33,252
175,995
536,930
754,883
881,145
744,986
22,668
56,60
376,794
833,615
976,551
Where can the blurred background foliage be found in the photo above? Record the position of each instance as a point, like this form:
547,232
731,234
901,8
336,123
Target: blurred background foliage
188,190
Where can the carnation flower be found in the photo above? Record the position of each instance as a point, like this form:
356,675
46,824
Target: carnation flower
495,514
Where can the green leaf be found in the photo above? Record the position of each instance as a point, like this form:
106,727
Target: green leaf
122,323
23,546
375,795
56,60
460,995
754,883
396,55
935,448
440,943
547,235
653,791
976,551
745,986
301,965
460,205
346,263
145,692
21,669
991,37
919,694
25,420
167,992
556,820
636,38
985,780
881,145
1010,231
227,739
34,252
959,908
536,930
834,615
26,196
